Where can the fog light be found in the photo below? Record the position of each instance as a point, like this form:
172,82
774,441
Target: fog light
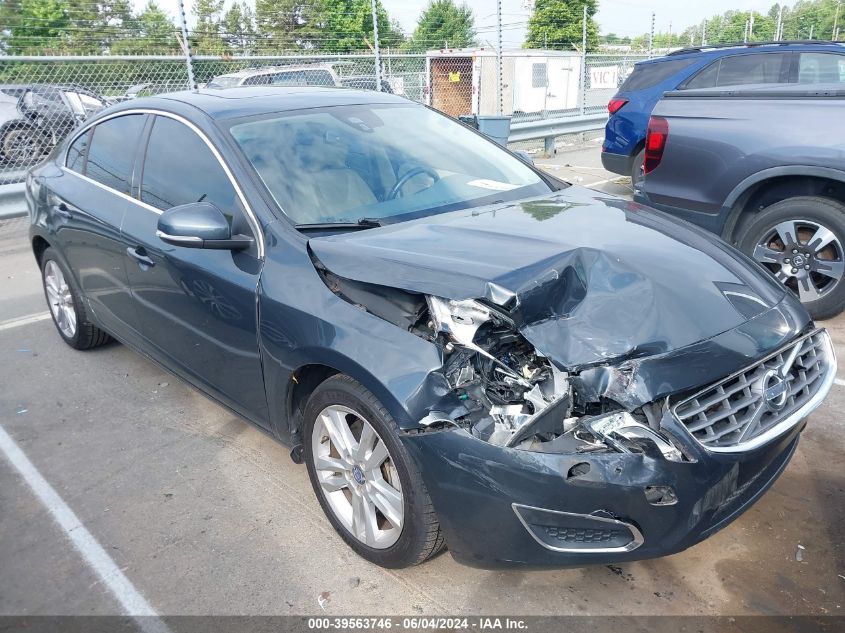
660,495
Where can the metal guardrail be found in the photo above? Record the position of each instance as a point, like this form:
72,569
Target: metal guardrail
12,200
548,129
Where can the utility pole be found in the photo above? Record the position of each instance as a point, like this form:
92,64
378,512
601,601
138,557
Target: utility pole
750,24
836,20
375,45
651,36
584,62
778,34
812,28
498,57
745,36
704,32
186,46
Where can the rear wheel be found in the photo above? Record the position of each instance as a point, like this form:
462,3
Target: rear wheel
801,241
66,306
637,168
364,478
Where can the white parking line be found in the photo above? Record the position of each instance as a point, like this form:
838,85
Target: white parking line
24,320
132,602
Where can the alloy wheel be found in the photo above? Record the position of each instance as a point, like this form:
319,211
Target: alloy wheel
60,299
805,256
20,146
357,476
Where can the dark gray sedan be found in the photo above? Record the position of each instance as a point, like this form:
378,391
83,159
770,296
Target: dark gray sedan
462,350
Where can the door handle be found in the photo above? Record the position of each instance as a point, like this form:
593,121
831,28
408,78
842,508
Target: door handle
140,256
62,211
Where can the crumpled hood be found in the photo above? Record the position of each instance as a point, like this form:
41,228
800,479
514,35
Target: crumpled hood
588,277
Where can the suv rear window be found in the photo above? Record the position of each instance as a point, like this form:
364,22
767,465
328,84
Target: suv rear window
648,75
737,70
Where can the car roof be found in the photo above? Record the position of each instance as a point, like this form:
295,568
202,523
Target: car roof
251,72
719,50
231,103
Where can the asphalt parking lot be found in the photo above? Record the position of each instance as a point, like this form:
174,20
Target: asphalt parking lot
205,514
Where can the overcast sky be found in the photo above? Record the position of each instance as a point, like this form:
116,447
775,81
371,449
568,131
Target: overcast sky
623,17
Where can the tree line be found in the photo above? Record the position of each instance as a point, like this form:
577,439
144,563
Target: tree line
806,19
97,27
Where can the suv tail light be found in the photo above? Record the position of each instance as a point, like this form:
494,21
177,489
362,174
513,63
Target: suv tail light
615,104
655,142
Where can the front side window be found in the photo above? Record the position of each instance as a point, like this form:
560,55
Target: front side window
821,68
388,162
179,168
111,152
738,70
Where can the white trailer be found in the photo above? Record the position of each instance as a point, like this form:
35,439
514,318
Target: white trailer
463,81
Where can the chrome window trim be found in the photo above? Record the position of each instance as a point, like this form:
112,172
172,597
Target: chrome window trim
789,421
250,214
636,535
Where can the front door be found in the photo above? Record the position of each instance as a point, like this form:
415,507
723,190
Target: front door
196,308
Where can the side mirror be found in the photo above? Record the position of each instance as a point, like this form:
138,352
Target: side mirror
199,225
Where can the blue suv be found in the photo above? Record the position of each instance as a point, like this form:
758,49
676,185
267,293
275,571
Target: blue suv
702,67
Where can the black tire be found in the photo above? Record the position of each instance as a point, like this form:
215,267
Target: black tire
420,537
86,334
637,168
11,138
823,212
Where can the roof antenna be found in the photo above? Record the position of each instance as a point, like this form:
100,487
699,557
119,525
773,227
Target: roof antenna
186,47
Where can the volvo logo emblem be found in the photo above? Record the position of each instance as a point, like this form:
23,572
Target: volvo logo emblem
775,390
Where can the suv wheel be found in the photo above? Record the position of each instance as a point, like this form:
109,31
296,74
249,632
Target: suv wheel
364,478
802,242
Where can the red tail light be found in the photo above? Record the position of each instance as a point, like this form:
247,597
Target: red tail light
655,142
615,104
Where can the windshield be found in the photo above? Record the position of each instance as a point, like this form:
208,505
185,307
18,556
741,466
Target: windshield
380,162
223,82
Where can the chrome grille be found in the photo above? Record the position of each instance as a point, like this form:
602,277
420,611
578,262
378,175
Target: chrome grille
749,408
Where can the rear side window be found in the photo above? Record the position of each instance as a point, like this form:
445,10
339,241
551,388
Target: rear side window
112,151
77,153
821,68
179,168
738,70
648,75
258,80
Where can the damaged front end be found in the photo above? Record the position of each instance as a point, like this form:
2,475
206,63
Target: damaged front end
513,395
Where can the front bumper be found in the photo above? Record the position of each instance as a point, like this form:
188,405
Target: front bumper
481,492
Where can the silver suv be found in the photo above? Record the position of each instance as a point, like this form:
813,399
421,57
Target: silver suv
308,75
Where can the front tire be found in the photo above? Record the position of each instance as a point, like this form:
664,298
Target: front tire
66,306
364,479
801,241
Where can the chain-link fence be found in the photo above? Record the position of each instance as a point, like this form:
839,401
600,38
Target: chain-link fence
43,97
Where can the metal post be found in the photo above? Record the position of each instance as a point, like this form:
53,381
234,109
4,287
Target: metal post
812,27
651,36
704,32
499,57
778,34
584,62
189,60
375,45
836,20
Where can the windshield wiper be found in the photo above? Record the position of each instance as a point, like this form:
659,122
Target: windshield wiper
362,223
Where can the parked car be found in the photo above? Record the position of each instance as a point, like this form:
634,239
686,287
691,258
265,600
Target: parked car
807,62
764,167
463,350
365,82
33,118
306,75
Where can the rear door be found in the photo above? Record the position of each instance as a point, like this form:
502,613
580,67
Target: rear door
196,308
89,200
